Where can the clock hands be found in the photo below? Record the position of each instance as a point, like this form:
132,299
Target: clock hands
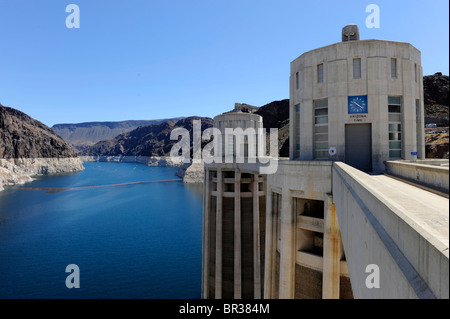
358,105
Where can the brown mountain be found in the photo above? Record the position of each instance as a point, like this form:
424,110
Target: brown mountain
83,135
150,140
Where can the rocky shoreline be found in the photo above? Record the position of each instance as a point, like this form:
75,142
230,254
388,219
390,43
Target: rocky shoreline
29,148
147,160
17,171
24,170
190,173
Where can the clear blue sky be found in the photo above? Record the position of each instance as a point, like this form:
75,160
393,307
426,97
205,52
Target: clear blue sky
148,59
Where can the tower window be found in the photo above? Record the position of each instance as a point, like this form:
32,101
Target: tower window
321,128
394,68
395,127
320,73
297,131
356,68
415,72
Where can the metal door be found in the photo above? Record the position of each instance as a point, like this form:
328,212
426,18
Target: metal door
358,146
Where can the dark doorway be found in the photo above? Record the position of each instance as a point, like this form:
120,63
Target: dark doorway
358,146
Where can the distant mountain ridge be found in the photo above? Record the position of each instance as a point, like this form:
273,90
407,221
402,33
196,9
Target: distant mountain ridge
150,140
154,139
83,135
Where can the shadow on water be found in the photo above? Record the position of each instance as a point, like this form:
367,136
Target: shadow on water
196,188
54,191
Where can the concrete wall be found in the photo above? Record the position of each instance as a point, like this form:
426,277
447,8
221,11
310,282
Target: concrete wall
434,176
375,82
413,262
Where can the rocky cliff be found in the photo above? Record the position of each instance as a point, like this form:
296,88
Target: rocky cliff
29,148
192,173
23,137
436,99
276,115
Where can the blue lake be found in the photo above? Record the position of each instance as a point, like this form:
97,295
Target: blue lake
133,241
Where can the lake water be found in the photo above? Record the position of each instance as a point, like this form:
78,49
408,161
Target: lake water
133,241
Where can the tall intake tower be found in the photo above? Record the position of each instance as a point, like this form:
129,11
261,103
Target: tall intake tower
234,214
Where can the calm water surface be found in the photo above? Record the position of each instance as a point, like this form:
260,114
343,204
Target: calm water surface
136,241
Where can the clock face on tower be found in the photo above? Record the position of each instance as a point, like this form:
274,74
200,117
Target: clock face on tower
357,104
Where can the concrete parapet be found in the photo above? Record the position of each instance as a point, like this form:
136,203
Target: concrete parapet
401,229
432,174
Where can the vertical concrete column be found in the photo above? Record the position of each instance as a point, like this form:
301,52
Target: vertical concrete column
421,131
307,108
331,252
292,119
218,285
269,247
256,240
421,125
287,253
206,212
237,236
